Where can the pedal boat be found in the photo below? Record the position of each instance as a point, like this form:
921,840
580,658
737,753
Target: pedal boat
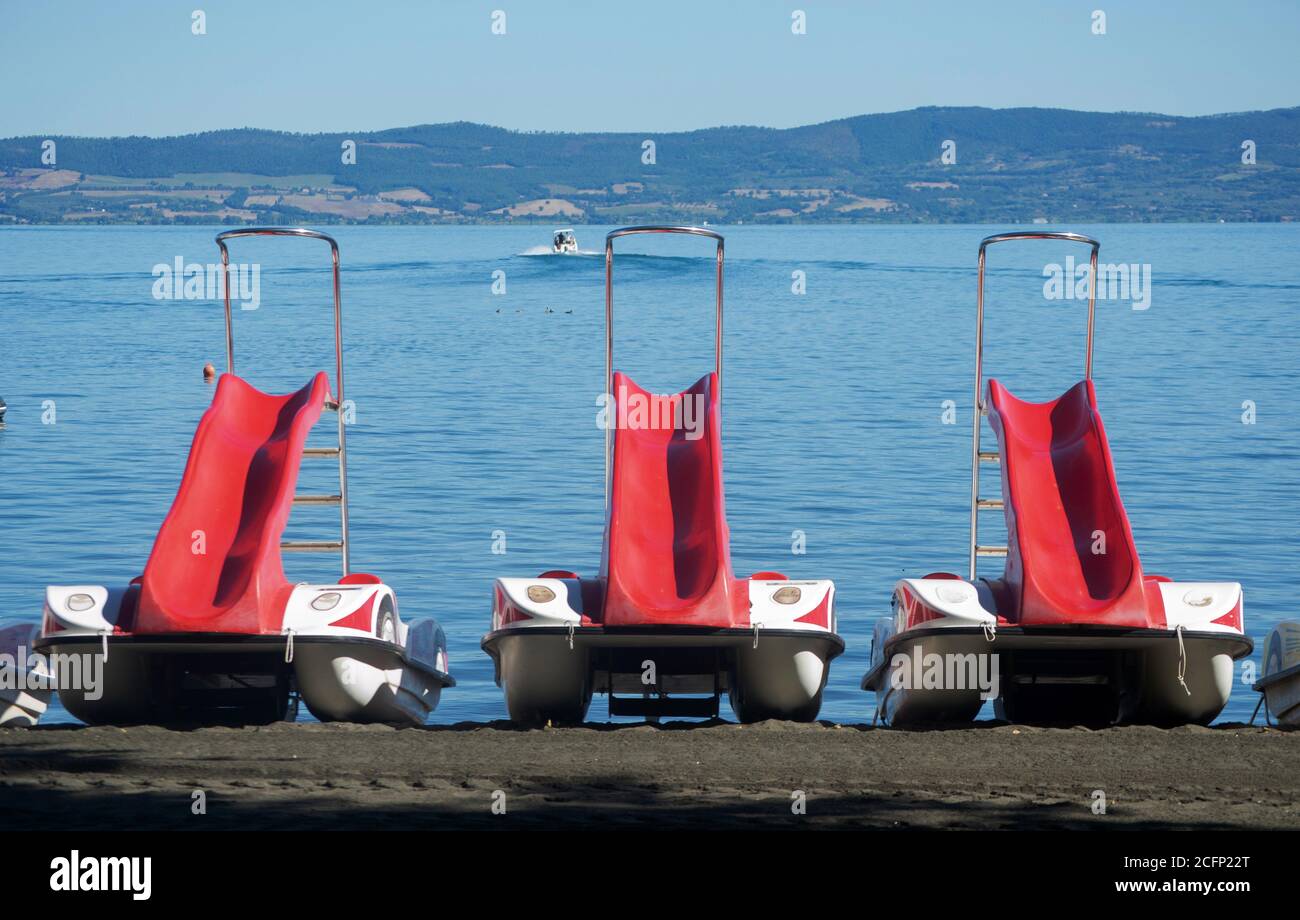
1280,683
1074,631
212,632
665,628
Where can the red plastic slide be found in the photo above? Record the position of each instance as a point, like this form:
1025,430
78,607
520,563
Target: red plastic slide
667,547
215,566
1070,553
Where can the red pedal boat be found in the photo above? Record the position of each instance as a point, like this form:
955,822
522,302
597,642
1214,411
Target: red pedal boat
665,628
212,631
1074,630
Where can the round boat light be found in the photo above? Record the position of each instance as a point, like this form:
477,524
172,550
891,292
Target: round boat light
327,601
79,603
1198,598
787,595
956,593
540,594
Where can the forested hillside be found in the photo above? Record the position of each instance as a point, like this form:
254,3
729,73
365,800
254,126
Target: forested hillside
924,165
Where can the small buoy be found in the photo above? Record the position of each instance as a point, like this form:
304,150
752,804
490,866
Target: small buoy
209,372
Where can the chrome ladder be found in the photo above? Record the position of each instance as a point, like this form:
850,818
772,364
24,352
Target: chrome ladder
978,456
334,404
609,317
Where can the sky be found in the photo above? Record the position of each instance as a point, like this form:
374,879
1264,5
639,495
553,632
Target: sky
136,66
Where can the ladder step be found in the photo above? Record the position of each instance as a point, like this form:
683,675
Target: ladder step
320,451
312,546
990,551
685,707
318,499
989,503
990,456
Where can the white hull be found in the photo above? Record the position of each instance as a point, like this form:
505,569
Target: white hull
1282,696
547,677
1281,681
365,682
343,650
549,662
1135,676
27,685
249,679
943,654
23,708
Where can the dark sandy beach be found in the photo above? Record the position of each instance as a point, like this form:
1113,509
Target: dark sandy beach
723,776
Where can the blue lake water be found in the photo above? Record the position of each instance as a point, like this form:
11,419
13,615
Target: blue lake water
476,412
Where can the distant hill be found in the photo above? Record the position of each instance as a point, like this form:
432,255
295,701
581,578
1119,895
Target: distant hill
1012,165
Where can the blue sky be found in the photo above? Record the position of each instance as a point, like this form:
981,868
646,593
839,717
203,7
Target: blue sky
109,68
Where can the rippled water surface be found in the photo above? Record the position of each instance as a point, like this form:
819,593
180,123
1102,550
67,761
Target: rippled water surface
476,412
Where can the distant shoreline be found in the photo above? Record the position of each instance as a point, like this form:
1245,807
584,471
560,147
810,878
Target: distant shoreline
924,166
548,225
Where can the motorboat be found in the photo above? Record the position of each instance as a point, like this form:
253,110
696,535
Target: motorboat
664,627
26,681
1280,683
212,631
1074,630
564,242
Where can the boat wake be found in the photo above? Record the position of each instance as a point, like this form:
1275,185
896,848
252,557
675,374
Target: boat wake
548,251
